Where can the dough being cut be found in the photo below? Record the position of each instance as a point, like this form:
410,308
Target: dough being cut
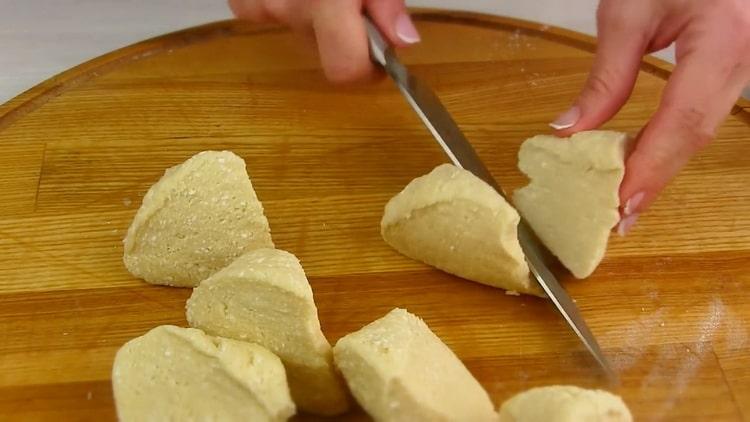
181,374
456,222
264,297
561,403
572,199
399,370
197,219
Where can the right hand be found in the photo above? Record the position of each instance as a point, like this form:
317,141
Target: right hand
338,27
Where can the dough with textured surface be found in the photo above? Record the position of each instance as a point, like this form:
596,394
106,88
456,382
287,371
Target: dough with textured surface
182,374
456,222
572,199
399,370
560,403
264,297
195,220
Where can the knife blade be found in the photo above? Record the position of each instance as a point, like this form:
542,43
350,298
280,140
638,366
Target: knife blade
444,129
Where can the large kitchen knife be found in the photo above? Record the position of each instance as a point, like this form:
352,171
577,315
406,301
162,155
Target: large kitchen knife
462,154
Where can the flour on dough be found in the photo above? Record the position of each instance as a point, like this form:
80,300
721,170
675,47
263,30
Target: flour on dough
572,199
399,370
561,403
199,217
182,374
454,221
264,297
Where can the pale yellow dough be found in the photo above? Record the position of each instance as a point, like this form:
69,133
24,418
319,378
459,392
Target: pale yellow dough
264,297
399,370
182,374
195,220
561,403
572,200
456,222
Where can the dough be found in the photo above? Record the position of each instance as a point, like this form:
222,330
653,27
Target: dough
399,370
454,221
201,215
181,374
264,297
561,403
571,202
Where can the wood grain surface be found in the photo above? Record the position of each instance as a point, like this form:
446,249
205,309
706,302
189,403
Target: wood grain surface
669,304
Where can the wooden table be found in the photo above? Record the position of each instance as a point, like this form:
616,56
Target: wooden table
669,304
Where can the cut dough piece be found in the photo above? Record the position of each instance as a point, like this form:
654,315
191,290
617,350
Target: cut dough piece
456,222
197,219
182,374
399,370
264,297
560,403
572,199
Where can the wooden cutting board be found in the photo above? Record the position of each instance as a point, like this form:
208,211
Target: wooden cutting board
669,304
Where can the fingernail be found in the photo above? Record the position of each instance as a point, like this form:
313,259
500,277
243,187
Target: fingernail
632,204
626,224
405,29
567,119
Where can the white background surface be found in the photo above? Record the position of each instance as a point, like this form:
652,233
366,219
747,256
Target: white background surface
40,38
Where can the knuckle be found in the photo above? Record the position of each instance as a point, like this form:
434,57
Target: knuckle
251,10
277,9
599,84
691,124
607,11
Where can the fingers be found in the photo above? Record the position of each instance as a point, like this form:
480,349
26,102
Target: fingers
698,96
342,40
624,32
251,10
394,21
294,13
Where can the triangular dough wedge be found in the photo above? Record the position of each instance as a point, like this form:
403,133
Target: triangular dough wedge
563,403
456,222
399,370
182,374
572,199
264,297
199,217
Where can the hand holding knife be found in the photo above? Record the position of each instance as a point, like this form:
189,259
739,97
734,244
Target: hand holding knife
446,132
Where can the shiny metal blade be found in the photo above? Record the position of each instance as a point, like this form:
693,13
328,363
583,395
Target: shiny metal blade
445,130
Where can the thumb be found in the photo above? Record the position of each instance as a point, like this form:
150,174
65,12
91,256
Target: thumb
622,40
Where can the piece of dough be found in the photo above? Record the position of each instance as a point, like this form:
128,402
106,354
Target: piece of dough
454,221
572,199
264,297
182,374
199,217
560,403
399,370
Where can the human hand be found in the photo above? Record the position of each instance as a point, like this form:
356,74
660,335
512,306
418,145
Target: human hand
338,27
713,66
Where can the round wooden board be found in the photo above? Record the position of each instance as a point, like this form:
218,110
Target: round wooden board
669,304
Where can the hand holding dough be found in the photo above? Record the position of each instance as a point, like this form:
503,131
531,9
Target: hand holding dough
572,200
264,297
195,220
181,374
454,221
399,370
560,403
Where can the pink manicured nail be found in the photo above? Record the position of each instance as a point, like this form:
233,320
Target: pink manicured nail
405,29
626,224
632,204
567,119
